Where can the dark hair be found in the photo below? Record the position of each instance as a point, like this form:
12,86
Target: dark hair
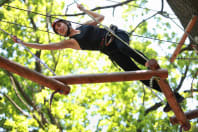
63,21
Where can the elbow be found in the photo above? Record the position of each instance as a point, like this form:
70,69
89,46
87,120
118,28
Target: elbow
102,18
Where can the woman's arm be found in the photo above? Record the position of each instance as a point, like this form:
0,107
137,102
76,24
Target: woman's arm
71,43
98,17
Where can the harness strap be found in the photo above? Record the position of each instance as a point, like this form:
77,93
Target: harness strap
109,37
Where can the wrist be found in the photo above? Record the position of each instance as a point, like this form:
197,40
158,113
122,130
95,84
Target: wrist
82,9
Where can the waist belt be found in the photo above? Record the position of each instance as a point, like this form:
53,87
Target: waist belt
108,38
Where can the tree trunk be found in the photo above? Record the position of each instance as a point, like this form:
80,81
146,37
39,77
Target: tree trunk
184,10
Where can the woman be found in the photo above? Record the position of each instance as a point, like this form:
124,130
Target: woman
90,37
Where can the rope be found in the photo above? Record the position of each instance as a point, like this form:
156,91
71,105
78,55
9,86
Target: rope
151,86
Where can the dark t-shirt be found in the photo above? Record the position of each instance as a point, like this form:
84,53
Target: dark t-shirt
90,37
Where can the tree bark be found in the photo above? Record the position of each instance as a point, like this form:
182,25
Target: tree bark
184,10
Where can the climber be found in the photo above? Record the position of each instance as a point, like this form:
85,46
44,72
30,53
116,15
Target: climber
89,36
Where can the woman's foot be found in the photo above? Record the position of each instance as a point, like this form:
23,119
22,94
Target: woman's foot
179,99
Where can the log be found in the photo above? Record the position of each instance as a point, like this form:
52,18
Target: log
181,42
33,75
163,83
182,119
111,77
190,115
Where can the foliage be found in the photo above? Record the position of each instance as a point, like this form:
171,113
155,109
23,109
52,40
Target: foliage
108,107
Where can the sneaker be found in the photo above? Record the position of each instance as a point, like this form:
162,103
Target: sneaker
179,99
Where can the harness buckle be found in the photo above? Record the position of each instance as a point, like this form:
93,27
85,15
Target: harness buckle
109,37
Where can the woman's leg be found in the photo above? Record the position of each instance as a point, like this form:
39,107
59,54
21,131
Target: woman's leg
121,55
127,64
128,51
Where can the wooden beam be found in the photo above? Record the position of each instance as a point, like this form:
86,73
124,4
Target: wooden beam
190,115
32,75
170,98
174,104
111,77
187,31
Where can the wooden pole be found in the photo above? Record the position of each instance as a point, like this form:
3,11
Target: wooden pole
32,75
111,77
187,31
171,98
190,115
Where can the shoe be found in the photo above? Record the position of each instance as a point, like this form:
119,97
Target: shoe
179,99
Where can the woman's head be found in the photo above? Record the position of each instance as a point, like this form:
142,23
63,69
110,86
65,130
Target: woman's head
61,27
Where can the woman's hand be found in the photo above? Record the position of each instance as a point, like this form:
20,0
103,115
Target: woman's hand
16,40
80,7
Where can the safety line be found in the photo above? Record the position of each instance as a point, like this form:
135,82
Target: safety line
151,86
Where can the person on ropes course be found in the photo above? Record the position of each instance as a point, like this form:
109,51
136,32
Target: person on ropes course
89,36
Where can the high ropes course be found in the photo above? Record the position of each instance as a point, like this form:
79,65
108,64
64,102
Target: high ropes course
60,83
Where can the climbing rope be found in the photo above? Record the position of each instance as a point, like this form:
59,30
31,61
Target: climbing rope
151,86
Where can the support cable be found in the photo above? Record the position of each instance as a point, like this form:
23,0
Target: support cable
151,86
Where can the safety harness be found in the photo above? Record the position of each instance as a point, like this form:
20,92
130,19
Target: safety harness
109,37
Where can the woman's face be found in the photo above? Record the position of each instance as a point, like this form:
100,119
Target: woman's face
61,28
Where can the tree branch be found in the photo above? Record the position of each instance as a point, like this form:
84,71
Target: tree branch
17,93
15,105
4,2
144,20
98,8
25,96
154,107
182,78
189,91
